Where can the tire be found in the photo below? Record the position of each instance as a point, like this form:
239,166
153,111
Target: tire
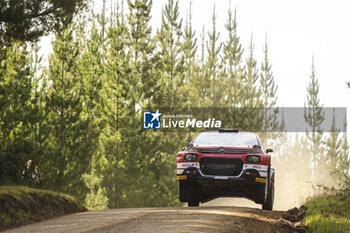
268,205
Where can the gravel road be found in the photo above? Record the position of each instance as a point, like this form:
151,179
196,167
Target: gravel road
195,219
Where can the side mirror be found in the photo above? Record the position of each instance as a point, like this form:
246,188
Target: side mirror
184,148
268,150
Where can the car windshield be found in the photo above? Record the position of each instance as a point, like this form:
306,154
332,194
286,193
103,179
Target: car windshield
232,139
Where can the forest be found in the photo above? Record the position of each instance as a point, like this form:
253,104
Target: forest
78,118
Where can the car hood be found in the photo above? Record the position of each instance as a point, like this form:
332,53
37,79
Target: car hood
224,146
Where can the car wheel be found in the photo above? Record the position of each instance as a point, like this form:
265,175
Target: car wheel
270,195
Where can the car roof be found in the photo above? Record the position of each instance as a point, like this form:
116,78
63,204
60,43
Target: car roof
241,133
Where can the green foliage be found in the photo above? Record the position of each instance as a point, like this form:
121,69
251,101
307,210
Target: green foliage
314,116
233,66
215,95
28,20
271,128
63,160
97,198
116,89
267,83
190,70
91,67
16,113
328,213
333,148
344,164
171,59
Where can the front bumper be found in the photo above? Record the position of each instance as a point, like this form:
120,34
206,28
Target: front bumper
209,187
193,174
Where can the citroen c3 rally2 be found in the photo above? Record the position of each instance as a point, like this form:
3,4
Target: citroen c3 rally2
225,163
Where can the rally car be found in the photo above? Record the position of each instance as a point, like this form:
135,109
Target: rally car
225,163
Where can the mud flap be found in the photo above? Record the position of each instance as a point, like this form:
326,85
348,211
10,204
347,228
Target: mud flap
260,195
184,191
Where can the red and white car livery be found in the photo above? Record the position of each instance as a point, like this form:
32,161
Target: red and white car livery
225,163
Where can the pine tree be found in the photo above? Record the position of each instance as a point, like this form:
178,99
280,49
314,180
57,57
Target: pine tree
142,45
91,72
173,76
215,94
334,161
38,107
138,146
251,78
268,91
170,47
15,114
202,80
333,147
28,20
314,116
234,69
115,93
97,198
65,163
267,82
251,95
189,50
344,160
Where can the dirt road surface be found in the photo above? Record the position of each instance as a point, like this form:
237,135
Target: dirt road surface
185,219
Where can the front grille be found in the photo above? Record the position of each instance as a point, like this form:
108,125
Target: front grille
224,151
221,166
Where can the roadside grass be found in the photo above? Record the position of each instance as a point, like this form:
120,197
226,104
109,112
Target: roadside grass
328,213
23,205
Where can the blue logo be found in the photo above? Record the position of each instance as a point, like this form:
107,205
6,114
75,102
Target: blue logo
151,120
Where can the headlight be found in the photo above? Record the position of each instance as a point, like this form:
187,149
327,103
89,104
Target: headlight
253,159
192,150
191,157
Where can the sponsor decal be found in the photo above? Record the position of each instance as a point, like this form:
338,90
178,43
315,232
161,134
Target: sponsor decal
263,174
261,180
187,165
257,167
184,177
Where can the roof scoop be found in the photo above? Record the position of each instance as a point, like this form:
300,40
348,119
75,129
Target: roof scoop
228,130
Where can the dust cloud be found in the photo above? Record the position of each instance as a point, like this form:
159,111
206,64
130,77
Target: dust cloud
237,202
292,189
293,186
293,183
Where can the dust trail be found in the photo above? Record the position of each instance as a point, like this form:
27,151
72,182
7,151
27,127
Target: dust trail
296,179
238,202
293,185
